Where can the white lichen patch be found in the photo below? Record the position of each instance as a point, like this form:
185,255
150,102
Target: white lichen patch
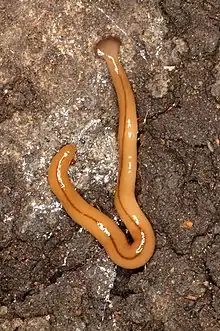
8,218
39,207
103,273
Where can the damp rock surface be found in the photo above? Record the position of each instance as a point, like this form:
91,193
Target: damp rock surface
54,90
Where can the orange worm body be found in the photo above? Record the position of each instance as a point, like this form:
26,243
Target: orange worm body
104,229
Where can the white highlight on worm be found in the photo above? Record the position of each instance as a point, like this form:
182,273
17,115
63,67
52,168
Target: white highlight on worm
136,219
100,53
129,167
59,170
103,228
115,65
140,248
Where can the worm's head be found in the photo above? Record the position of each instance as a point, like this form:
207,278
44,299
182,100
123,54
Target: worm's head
108,47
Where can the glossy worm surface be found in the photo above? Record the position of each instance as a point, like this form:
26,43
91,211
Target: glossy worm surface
104,229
